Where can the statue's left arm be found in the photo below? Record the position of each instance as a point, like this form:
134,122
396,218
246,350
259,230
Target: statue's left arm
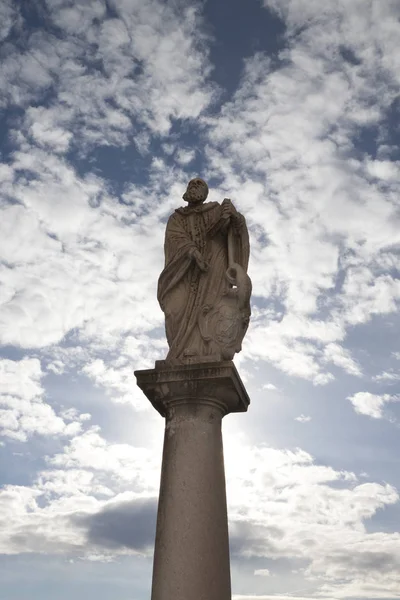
229,217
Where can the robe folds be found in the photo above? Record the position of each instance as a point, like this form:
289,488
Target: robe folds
184,291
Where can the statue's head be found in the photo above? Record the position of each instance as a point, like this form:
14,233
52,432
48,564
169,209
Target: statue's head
196,191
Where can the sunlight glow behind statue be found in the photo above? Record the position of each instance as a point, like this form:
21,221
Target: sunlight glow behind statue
204,290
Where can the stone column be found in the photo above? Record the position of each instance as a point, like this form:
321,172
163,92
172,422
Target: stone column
191,557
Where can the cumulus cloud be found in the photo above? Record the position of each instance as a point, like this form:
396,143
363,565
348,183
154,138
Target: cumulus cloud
287,145
78,505
73,254
124,463
117,377
97,157
75,249
371,405
185,156
57,513
109,74
289,149
120,382
284,505
23,411
25,527
72,279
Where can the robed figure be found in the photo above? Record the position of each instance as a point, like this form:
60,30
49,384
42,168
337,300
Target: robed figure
204,289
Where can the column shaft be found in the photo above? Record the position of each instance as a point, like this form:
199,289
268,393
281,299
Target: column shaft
191,560
191,557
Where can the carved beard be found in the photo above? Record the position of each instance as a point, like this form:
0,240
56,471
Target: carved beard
195,195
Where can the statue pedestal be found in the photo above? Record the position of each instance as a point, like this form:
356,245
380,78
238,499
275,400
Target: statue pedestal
191,557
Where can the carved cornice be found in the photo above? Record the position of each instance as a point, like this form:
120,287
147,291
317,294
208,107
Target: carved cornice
217,383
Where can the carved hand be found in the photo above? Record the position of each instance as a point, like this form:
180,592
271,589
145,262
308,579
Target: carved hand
228,210
201,263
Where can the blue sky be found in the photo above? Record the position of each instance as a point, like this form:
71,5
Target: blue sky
291,109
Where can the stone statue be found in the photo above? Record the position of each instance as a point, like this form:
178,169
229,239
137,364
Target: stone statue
204,289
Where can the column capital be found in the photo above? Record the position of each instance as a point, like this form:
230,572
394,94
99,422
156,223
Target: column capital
216,383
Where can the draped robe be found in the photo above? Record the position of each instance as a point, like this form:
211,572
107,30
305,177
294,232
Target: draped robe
184,291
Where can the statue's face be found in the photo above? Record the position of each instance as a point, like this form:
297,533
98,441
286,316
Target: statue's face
196,191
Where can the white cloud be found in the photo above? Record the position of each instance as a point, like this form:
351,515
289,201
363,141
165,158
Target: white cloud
269,491
45,131
384,169
9,16
25,527
262,572
287,148
80,260
303,419
23,412
269,386
123,462
120,383
365,295
365,587
371,405
71,482
81,266
87,477
71,414
86,235
185,156
340,357
56,367
270,342
283,505
387,376
153,69
21,378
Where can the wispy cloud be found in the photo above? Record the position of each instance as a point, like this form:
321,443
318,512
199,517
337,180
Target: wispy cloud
303,419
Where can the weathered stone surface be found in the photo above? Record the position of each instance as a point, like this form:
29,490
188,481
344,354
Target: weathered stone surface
191,558
195,383
204,289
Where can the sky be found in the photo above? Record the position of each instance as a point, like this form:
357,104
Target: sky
291,109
